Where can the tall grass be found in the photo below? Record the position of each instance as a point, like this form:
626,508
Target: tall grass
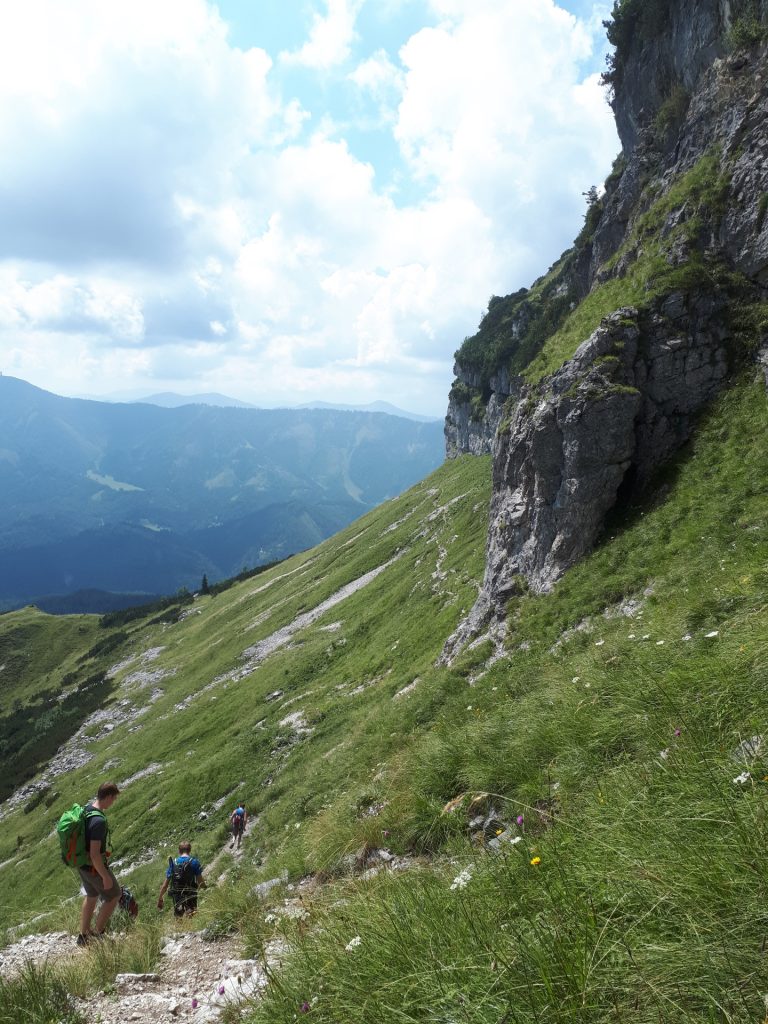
37,996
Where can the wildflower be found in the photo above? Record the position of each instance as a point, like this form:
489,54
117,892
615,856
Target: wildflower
742,779
687,637
677,732
499,831
221,990
664,754
659,643
714,633
353,943
195,1004
520,819
535,861
270,918
647,636
587,685
469,707
385,831
515,841
576,679
305,1007
462,879
631,636
599,643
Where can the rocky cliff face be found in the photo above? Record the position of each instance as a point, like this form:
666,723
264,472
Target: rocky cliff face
672,266
684,41
471,425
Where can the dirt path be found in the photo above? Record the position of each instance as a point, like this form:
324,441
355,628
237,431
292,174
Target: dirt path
194,981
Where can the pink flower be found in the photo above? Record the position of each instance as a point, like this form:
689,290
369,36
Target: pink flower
305,1007
195,1004
677,732
221,990
520,819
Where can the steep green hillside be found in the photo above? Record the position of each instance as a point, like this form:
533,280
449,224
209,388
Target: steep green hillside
619,747
624,739
190,703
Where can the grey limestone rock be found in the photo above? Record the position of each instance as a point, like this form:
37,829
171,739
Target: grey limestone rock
605,420
566,451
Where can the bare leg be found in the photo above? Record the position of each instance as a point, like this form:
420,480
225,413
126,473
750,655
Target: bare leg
106,911
89,905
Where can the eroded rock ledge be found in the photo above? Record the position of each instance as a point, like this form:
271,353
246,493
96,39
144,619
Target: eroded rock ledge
622,405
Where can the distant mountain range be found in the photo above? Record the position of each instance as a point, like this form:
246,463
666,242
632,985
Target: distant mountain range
135,498
172,400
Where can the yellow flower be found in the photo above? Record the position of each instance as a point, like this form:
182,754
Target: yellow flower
535,861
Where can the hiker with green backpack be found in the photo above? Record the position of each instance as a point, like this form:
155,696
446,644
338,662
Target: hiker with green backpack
84,841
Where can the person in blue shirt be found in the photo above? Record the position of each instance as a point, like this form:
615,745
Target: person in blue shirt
238,821
183,876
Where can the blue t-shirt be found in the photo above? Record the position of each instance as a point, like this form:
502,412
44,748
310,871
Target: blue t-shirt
194,863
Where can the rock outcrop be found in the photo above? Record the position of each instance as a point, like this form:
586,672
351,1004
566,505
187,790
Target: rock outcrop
682,230
470,426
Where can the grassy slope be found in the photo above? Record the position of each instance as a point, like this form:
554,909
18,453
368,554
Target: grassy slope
648,901
229,740
36,652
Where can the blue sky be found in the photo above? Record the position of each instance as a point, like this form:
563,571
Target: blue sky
284,201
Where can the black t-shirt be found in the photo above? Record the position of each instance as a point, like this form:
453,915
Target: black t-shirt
95,828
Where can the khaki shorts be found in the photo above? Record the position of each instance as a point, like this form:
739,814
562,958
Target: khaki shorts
94,885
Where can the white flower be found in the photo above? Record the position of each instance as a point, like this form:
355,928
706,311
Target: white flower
664,754
515,841
270,918
599,643
687,637
462,879
587,685
715,632
743,778
631,636
659,643
353,943
469,707
647,636
576,679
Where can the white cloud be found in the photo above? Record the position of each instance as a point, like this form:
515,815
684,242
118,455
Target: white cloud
62,303
330,38
382,80
172,219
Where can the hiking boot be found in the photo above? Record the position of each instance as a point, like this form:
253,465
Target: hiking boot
98,936
83,940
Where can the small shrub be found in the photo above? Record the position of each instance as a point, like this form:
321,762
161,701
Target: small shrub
746,31
672,112
36,996
762,210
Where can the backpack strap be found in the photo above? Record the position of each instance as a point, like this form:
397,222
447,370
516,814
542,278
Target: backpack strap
89,812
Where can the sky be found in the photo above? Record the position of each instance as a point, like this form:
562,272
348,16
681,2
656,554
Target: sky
284,201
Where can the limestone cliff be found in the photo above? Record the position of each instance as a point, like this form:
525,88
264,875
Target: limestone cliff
582,385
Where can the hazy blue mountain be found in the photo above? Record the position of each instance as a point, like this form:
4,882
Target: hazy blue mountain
386,407
170,400
139,498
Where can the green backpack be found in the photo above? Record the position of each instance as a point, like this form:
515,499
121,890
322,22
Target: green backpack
71,831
